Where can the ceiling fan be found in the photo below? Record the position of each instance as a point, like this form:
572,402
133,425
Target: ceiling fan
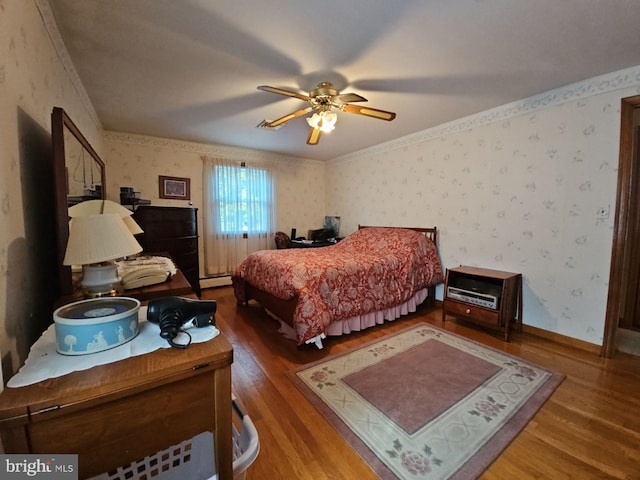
324,101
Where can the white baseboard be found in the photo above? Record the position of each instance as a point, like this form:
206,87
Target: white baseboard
215,282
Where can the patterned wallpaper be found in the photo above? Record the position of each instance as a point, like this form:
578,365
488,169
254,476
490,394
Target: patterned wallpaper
137,161
33,80
515,189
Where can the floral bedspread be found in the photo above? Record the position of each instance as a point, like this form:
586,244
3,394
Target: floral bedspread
372,269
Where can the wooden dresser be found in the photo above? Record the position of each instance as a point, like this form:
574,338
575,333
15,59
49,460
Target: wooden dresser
173,230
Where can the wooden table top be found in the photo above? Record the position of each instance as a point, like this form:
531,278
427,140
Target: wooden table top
107,382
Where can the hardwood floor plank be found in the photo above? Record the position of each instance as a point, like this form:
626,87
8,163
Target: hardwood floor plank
588,429
521,460
576,437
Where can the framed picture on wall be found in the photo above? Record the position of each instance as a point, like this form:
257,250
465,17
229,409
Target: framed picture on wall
175,188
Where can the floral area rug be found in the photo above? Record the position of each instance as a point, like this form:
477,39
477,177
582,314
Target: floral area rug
425,403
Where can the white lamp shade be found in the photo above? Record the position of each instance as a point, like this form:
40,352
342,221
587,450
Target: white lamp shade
131,224
91,207
94,207
99,238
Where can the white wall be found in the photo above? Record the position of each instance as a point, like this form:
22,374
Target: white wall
33,79
516,188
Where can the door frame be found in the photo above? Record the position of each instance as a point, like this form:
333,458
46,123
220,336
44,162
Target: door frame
623,224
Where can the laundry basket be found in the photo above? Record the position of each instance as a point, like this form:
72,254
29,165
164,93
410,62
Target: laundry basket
246,444
192,459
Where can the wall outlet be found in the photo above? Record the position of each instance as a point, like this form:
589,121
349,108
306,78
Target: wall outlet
603,212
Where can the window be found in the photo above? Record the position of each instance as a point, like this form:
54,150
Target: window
238,212
244,199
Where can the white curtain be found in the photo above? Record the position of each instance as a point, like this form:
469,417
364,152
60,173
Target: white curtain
238,212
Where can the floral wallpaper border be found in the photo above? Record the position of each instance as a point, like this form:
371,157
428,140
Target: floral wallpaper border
602,84
225,151
608,82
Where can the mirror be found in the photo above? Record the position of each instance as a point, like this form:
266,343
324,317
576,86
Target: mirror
79,175
83,172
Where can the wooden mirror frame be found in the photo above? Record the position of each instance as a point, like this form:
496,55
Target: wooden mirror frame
60,122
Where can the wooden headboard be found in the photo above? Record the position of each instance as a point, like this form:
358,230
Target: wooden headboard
431,233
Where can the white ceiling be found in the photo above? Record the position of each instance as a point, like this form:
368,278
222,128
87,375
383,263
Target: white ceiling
188,69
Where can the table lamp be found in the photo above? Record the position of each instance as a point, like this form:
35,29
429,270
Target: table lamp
91,207
95,241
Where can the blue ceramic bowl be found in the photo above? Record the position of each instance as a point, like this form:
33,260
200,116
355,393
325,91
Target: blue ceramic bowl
95,325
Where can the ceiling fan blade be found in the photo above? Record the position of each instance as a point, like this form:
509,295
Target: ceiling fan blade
282,91
370,112
282,120
350,98
314,136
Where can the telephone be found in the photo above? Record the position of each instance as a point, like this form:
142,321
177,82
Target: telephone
143,277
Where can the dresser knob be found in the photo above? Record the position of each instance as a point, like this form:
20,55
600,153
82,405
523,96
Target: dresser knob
468,310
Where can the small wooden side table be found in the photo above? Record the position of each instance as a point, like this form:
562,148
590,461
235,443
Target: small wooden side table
118,413
469,292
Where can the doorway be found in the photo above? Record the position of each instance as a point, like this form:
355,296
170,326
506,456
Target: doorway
623,300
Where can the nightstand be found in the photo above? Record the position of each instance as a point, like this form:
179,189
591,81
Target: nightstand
492,298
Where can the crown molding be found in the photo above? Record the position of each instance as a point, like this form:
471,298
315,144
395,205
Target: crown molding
63,54
609,82
223,151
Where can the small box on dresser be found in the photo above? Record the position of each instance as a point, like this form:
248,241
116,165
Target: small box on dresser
173,230
492,298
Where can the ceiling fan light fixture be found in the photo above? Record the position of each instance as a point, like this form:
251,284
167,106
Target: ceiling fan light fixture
323,121
323,101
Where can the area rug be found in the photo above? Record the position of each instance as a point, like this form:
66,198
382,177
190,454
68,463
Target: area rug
425,403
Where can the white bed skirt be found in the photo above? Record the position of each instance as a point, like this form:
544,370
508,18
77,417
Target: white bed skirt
360,322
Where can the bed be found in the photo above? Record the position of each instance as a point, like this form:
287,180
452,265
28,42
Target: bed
374,275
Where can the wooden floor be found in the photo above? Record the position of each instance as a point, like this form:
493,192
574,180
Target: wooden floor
589,428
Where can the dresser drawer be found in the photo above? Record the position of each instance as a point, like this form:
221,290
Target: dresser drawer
167,222
165,214
484,315
175,246
177,228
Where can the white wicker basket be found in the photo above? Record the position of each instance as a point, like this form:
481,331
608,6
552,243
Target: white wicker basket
192,459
